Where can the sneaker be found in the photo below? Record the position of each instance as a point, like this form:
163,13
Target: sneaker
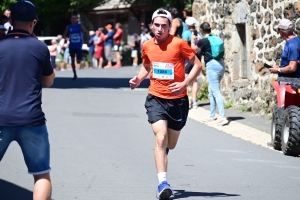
195,105
117,66
221,121
209,119
164,191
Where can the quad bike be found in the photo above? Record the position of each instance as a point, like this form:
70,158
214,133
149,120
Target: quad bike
285,130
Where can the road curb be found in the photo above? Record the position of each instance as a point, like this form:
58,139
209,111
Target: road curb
234,128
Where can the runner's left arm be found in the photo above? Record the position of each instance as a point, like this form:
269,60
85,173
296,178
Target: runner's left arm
195,70
189,54
83,29
178,87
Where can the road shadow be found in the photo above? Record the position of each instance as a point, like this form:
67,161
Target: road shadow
203,104
235,118
81,83
181,194
13,192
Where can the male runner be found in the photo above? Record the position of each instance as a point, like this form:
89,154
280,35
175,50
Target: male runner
74,32
167,102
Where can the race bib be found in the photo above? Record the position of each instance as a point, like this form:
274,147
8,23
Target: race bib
164,71
75,37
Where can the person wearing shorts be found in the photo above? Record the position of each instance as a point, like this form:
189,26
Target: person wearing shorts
135,46
99,46
191,24
167,102
117,41
21,116
108,45
74,32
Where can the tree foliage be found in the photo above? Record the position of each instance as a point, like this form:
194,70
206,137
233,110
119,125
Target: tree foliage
46,8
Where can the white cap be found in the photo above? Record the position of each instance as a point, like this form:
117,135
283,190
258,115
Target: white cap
284,24
92,32
191,21
162,13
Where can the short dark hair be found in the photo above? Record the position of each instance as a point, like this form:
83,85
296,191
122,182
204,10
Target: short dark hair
188,12
205,26
173,11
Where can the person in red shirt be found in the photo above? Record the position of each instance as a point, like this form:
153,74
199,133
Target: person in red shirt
99,46
117,40
167,103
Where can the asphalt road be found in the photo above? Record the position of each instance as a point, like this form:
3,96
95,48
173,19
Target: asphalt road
102,149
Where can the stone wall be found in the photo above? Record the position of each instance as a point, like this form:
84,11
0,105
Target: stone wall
247,28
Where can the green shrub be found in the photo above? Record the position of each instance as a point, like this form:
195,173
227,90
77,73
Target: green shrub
243,107
228,104
203,92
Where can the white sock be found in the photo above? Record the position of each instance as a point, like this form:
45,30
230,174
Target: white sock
162,176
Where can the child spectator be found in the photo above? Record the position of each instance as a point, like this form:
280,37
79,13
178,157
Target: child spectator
135,45
67,58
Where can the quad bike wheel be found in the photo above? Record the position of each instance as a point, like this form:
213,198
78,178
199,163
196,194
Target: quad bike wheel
290,137
276,130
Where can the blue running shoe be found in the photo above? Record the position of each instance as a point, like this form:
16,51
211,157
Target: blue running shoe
164,191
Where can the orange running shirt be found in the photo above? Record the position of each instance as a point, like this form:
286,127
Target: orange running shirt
172,53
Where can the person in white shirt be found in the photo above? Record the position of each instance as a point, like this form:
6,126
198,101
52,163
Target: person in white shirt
7,24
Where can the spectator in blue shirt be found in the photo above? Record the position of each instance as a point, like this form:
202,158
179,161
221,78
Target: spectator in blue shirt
108,45
22,76
290,56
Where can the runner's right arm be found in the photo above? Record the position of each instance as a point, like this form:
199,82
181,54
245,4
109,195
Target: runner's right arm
143,73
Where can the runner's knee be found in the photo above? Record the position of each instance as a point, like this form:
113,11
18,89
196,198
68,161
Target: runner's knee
161,141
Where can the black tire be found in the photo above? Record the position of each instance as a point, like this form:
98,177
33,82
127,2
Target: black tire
276,128
290,134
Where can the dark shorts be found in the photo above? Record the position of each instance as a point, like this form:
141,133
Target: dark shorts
188,67
76,52
175,111
117,47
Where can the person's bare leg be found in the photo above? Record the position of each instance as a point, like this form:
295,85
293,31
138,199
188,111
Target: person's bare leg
100,62
42,187
74,68
62,65
160,129
109,65
172,138
118,57
135,61
172,141
195,90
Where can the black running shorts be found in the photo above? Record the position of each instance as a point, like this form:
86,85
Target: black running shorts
175,111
